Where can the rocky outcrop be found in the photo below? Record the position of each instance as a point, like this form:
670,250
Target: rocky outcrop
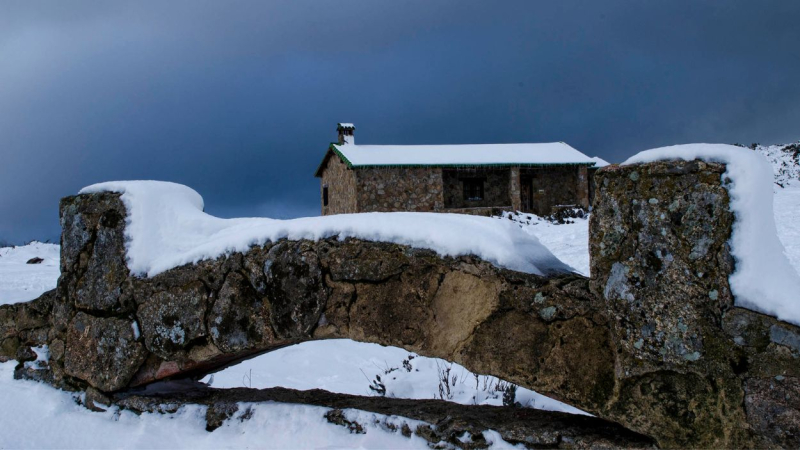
653,341
25,325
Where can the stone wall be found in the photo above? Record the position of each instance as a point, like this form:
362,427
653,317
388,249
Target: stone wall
590,172
495,188
653,341
515,189
399,189
552,186
341,183
369,189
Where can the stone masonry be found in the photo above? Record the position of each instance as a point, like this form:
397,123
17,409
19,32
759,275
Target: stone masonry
399,189
437,189
653,341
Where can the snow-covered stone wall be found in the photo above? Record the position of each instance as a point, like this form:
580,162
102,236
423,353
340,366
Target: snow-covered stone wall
153,289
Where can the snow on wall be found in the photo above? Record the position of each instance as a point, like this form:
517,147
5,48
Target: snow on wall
763,280
166,228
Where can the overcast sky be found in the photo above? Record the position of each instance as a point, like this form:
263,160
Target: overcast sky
239,100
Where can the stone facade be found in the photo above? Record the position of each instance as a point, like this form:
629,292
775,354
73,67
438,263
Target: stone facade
541,190
495,188
340,183
544,189
399,189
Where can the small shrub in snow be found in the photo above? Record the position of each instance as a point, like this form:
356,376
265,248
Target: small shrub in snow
509,391
377,386
407,363
445,380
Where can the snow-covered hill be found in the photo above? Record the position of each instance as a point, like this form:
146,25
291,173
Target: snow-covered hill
785,160
19,281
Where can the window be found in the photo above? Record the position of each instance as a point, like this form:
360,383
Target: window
473,189
324,195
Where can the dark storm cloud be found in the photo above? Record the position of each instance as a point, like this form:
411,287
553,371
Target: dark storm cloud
239,99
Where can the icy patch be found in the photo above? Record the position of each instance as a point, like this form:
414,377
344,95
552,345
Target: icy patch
166,228
764,279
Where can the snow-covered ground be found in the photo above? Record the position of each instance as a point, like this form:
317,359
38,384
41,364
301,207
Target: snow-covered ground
787,219
349,367
568,241
34,415
20,282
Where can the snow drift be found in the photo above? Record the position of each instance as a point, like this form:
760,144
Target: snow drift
763,280
166,227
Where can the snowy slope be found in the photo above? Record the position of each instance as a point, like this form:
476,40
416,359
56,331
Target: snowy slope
568,241
787,219
20,282
785,160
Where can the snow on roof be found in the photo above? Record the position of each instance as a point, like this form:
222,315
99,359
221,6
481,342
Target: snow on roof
461,155
166,228
763,280
346,125
599,162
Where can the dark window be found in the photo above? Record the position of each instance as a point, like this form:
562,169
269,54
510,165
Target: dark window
325,196
473,189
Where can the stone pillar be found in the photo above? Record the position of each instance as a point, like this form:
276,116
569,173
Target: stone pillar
686,357
583,186
514,189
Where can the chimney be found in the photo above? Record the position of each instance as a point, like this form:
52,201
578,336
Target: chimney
346,133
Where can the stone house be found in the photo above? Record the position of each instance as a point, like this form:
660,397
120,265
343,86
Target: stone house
480,179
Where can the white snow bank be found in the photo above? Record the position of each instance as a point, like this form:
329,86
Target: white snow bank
764,280
349,367
35,415
568,241
166,227
21,282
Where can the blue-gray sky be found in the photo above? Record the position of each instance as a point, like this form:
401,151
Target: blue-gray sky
239,99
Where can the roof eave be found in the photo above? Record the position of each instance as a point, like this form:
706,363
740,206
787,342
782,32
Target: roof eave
362,166
331,151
